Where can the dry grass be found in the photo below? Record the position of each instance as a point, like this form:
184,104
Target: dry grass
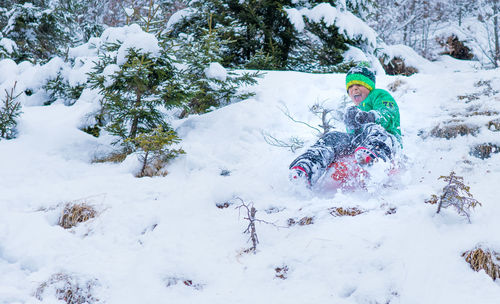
68,290
115,157
494,125
486,260
397,66
339,211
281,272
171,281
484,151
306,220
394,86
76,213
156,168
451,130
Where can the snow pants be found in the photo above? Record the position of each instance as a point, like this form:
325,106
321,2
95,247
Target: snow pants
334,145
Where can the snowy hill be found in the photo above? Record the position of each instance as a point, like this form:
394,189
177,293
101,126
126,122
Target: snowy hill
179,238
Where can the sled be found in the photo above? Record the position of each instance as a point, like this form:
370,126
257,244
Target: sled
346,174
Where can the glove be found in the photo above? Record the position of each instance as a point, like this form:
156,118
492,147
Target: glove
350,118
363,117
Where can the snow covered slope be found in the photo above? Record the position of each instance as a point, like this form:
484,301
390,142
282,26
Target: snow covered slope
179,238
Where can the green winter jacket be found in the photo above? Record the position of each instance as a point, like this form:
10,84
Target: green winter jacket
384,104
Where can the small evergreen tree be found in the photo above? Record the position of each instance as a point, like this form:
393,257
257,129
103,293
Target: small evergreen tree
154,150
455,194
135,94
10,110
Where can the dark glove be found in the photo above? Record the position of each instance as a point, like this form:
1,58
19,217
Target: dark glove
350,118
363,117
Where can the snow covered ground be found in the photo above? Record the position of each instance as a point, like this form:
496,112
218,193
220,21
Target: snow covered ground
164,240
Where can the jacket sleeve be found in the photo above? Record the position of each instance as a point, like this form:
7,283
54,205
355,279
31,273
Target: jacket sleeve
385,105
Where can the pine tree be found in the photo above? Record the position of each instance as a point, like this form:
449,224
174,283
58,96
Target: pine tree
136,93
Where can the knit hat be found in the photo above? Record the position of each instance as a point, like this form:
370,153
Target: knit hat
362,75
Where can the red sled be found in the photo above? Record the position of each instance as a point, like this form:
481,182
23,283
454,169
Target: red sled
346,174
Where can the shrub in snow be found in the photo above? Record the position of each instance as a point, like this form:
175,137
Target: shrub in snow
456,194
74,213
68,289
484,259
10,110
154,151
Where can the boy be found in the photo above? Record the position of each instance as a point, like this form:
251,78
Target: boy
373,130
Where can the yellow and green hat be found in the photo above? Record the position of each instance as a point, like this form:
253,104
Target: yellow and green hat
362,75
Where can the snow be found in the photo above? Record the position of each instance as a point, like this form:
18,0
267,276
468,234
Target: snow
9,45
152,234
217,71
178,16
352,26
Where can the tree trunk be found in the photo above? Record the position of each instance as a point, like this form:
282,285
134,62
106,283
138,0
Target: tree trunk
135,120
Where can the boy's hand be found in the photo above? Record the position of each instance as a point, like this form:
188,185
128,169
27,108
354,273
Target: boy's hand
363,117
354,118
350,118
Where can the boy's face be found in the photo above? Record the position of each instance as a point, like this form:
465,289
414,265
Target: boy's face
358,93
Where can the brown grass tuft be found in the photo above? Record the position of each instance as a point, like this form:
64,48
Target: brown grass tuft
339,211
494,125
281,272
451,130
67,289
306,220
115,157
397,66
486,260
484,151
76,213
